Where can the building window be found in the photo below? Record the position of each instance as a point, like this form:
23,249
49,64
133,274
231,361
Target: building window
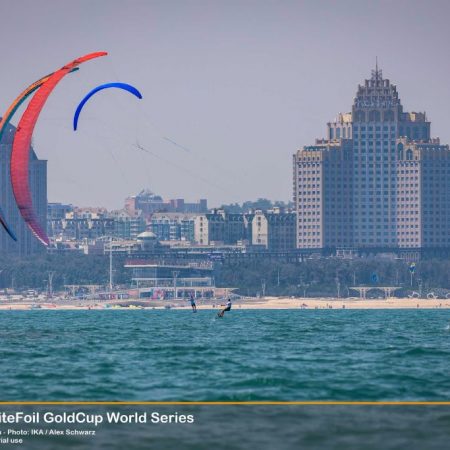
374,116
400,150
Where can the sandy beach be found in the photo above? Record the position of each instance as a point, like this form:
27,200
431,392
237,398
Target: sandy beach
245,303
335,303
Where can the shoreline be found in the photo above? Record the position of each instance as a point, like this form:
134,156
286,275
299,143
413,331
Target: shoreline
254,304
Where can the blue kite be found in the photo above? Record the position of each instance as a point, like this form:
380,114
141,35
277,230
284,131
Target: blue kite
124,86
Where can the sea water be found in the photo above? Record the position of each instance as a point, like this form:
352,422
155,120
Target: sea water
281,355
247,355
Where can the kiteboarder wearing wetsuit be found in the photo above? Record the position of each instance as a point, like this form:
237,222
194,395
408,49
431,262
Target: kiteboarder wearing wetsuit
227,308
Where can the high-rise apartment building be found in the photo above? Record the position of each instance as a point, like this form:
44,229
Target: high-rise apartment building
26,242
378,181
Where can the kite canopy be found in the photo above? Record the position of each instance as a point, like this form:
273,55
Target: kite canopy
124,86
6,118
22,142
3,125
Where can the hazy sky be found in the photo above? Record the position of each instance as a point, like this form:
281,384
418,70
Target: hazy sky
240,85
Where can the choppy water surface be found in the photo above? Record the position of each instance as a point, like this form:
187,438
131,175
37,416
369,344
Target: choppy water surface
247,355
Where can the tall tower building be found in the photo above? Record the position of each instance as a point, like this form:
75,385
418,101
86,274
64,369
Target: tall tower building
372,184
26,242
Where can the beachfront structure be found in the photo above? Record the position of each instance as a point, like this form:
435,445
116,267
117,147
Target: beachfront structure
149,203
128,225
80,224
57,211
423,206
26,242
158,280
173,226
219,227
377,183
274,230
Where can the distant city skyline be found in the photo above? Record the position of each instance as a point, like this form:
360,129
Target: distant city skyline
231,89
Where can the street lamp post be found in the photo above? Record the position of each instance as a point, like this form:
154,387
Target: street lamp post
110,266
175,274
412,271
338,287
305,287
50,284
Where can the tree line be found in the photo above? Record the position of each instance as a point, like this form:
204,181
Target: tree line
333,277
33,272
313,277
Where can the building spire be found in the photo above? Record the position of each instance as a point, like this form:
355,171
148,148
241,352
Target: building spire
377,75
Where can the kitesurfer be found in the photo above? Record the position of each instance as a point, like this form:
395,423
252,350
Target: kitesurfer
227,308
194,306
